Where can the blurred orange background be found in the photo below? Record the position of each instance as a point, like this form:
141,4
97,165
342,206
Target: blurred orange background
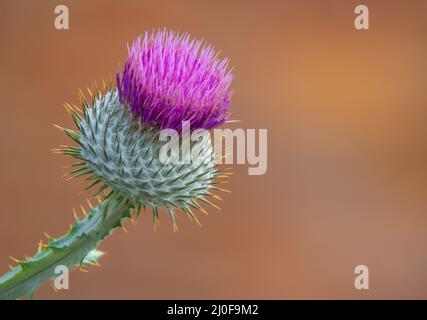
346,116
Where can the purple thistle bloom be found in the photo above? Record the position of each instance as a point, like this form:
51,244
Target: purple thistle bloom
169,78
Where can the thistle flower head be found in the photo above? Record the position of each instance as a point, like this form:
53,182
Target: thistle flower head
169,78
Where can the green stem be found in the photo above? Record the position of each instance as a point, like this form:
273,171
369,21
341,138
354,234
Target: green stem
76,248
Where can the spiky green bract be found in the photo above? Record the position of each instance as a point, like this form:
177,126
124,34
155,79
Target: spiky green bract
121,153
74,249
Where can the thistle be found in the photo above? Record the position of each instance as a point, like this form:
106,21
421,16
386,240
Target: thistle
167,79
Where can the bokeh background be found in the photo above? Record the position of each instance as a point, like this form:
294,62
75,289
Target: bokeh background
346,116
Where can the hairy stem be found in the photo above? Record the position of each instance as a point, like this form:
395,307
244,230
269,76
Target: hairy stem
76,248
